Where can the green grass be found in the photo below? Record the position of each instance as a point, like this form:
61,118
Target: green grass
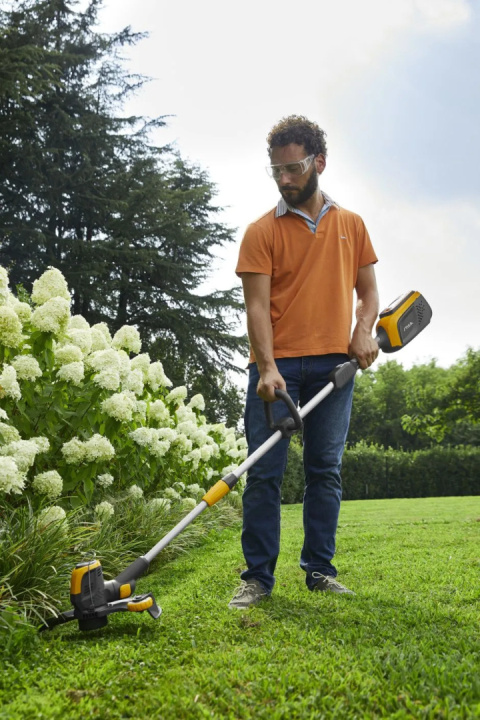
406,646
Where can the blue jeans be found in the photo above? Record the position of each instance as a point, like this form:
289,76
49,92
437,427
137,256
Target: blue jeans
324,436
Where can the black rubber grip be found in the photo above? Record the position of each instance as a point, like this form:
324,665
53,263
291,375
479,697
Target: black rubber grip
287,425
342,374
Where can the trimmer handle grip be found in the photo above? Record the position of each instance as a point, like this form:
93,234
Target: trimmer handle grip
342,374
289,424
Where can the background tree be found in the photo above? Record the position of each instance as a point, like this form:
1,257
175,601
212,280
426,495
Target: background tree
447,408
416,408
132,226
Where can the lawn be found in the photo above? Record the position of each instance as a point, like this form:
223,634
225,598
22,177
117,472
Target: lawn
406,646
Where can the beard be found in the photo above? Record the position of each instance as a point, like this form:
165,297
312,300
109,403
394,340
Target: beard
296,196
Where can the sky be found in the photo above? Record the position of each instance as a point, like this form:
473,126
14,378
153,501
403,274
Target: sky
395,86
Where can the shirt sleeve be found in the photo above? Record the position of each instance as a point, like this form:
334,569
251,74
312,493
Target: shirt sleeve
366,255
255,254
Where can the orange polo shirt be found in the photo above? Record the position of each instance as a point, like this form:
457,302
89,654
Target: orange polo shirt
313,277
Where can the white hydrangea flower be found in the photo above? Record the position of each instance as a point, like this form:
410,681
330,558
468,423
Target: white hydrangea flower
142,436
50,285
22,309
104,511
171,494
179,486
199,437
141,410
99,341
4,289
52,316
227,470
230,443
185,414
193,457
73,372
194,490
188,427
183,443
74,451
242,443
51,514
97,448
158,411
103,328
159,448
197,402
177,395
69,353
104,360
156,377
11,479
9,386
119,406
159,505
206,452
141,362
127,338
78,322
81,338
124,361
8,433
23,452
104,480
209,472
134,382
3,414
135,492
27,367
109,379
188,504
166,433
235,454
10,327
48,483
42,443
219,429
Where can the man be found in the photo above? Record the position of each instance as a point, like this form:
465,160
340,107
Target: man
299,264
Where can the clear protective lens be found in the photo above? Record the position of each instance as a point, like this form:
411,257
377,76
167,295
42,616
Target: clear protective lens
296,169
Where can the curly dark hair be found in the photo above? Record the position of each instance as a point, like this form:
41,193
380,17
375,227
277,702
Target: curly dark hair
298,129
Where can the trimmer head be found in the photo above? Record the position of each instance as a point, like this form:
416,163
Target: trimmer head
402,321
94,600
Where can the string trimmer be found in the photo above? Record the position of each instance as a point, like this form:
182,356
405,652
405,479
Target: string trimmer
94,599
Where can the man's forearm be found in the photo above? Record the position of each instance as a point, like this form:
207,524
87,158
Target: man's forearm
367,310
260,333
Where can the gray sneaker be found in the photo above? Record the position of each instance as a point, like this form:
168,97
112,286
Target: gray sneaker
326,583
249,593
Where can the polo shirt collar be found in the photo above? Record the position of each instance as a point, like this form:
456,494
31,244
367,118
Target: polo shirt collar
283,207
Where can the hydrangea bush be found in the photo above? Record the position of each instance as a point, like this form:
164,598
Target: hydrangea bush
86,417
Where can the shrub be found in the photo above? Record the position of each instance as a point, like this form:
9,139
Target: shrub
81,419
89,426
372,472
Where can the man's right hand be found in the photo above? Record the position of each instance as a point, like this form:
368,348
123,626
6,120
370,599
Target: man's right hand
270,380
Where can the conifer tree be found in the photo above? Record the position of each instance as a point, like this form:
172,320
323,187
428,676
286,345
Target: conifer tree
132,226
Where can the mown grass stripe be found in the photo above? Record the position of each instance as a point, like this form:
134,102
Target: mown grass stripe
406,646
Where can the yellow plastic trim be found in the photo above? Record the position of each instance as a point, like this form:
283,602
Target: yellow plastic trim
216,493
77,576
125,591
140,606
390,322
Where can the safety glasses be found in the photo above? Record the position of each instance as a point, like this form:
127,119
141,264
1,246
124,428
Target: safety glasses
296,168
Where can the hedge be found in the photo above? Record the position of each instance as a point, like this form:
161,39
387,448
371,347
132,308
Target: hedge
371,472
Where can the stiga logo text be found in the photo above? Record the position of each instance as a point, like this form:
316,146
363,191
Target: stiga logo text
407,326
